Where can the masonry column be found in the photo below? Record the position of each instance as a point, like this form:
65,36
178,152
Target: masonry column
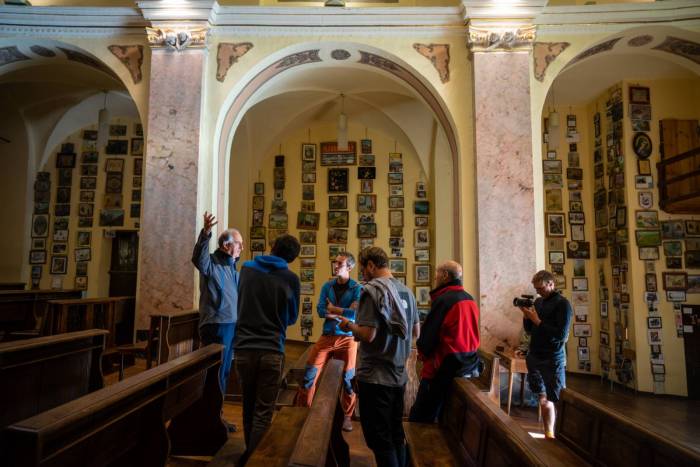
504,172
169,217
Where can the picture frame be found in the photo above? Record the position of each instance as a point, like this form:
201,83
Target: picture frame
308,206
672,229
117,147
675,280
396,218
421,221
555,224
650,282
65,161
693,284
308,192
366,173
551,166
648,237
643,167
603,309
577,232
258,203
60,235
641,145
111,217
577,218
82,254
137,146
574,173
421,238
338,202
421,273
114,182
366,203
676,295
421,255
421,208
578,250
582,330
579,284
367,186
395,190
337,219
396,202
692,228
88,183
59,264
368,230
335,250
397,266
395,178
87,196
308,152
40,226
38,244
366,160
639,95
584,354
37,256
259,188
85,222
692,259
308,220
692,243
673,248
307,236
556,257
331,154
365,243
643,182
395,231
366,218
654,337
307,275
649,253
308,177
338,180
307,251
366,146
308,262
258,218
84,238
553,200
307,288
422,295
646,219
278,221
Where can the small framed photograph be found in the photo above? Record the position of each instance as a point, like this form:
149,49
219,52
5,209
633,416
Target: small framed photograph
307,275
335,250
366,203
692,228
555,225
395,178
38,243
367,186
584,354
551,166
577,233
551,155
307,251
395,231
338,180
395,190
397,266
65,161
308,177
366,243
639,95
647,219
59,264
397,253
575,206
257,244
673,248
368,230
396,218
648,237
583,342
421,238
338,202
603,309
421,221
692,259
84,238
82,254
366,146
60,235
422,295
308,206
40,225
422,255
308,192
366,160
137,146
693,284
308,220
307,288
278,221
81,282
89,170
307,237
654,337
654,322
117,147
259,188
582,330
579,268
556,257
366,219
642,146
396,202
366,173
672,230
675,295
650,282
649,253
644,167
338,219
675,280
580,284
421,208
574,173
553,200
257,232
258,203
421,274
692,243
308,152
88,183
643,182
37,257
577,218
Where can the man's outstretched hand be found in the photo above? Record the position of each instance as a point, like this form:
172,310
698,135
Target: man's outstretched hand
209,221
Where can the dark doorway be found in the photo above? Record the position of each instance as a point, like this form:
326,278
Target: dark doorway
691,337
122,271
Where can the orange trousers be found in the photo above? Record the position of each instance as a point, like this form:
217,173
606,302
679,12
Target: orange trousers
341,348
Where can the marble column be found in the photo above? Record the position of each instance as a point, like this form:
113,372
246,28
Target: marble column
169,217
504,175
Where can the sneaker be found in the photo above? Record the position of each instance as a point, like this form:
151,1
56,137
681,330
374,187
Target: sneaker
347,424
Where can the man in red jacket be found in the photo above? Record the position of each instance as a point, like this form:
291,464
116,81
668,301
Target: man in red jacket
448,341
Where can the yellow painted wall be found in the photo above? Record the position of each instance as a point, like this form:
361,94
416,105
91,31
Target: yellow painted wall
240,211
101,247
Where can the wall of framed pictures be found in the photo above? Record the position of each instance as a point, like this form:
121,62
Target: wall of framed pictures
81,195
376,193
627,275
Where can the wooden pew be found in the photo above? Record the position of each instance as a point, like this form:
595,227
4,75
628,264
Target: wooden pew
12,285
292,379
174,334
606,437
115,314
23,310
41,373
125,424
473,431
302,436
489,380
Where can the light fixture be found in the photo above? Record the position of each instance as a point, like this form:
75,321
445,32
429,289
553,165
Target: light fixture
342,126
103,125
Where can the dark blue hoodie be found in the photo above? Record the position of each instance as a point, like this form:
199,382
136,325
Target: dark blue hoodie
268,302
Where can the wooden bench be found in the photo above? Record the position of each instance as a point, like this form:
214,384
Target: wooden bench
12,285
41,373
292,379
606,437
489,380
301,436
22,311
125,424
473,431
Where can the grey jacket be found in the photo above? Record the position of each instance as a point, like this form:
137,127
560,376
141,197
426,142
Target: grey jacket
218,283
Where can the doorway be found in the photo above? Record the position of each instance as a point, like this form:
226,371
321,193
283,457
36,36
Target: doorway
123,264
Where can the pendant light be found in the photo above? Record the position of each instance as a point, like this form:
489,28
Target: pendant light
103,125
342,126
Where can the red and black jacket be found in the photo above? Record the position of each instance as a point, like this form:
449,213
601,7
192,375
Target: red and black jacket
449,336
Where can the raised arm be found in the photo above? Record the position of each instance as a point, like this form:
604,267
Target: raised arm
200,255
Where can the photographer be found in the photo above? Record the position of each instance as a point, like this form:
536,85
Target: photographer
548,324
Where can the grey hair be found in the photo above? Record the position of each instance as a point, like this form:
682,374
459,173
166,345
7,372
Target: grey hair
226,237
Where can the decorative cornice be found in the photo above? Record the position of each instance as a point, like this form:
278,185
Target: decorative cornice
616,13
182,10
501,39
52,18
177,39
502,9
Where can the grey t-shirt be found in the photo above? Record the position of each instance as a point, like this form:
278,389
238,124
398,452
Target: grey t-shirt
383,361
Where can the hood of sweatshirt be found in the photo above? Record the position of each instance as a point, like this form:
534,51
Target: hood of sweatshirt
266,263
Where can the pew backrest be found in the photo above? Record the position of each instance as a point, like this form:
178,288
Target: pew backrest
489,379
609,438
41,373
124,424
22,310
174,334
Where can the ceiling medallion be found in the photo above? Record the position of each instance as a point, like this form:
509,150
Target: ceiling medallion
340,54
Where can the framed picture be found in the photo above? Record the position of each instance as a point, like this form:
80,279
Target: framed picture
675,280
84,238
258,218
38,243
555,224
88,183
335,250
647,219
366,219
367,230
338,202
675,295
137,146
366,146
396,202
603,309
40,225
580,284
577,218
338,219
308,152
337,180
331,154
421,208
395,190
551,166
111,217
397,266
257,232
693,284
366,243
577,233
578,250
308,177
422,255
649,253
337,236
366,186
258,203
692,228
278,221
648,237
556,257
553,200
395,231
87,196
641,145
395,178
117,147
644,167
366,159
307,251
421,221
639,95
672,230
673,248
643,182
65,161
111,201
575,206
654,337
579,268
84,222
692,243
135,210
308,206
59,264
692,259
366,203
308,220
307,288
396,218
114,183
582,330
584,354
307,236
308,192
278,177
366,173
259,188
82,254
37,257
89,170
421,238
89,157
307,275
650,282
421,274
574,173
422,295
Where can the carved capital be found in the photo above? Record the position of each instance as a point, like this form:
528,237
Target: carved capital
500,39
176,38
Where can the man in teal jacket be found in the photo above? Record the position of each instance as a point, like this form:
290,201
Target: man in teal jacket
339,297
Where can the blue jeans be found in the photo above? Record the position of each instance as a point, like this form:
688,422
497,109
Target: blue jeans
220,333
546,375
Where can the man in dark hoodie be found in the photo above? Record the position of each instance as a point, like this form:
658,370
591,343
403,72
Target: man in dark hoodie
218,287
448,342
268,302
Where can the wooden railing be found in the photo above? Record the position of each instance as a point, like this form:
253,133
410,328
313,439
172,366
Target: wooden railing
679,183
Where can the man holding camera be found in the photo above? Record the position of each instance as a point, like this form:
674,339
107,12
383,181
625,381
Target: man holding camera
547,321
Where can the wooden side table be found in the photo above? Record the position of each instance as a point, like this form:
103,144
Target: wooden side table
513,364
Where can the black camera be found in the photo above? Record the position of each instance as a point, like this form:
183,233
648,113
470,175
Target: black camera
525,301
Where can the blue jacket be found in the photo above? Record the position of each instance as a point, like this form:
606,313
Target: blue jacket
268,302
351,295
218,283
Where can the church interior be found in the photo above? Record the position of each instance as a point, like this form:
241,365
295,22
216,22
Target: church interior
510,136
